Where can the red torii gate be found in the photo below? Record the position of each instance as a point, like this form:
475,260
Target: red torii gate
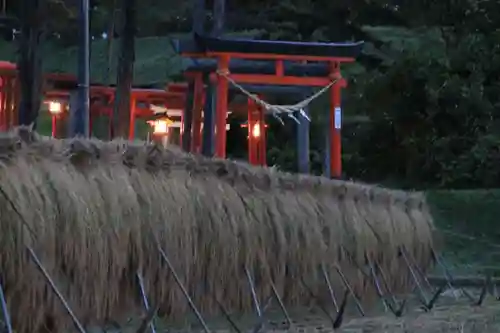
10,92
221,80
280,52
171,100
58,99
9,95
256,142
257,138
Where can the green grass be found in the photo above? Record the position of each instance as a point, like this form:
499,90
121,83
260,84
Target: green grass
156,62
469,223
476,212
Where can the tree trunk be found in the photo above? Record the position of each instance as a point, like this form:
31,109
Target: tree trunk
110,41
29,63
199,17
104,125
219,15
125,72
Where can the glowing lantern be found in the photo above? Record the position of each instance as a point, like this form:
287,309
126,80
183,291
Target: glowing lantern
55,108
160,126
256,130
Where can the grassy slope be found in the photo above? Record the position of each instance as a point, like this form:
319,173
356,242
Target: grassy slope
156,62
468,221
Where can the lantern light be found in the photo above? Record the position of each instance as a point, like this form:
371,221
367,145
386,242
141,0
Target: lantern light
256,130
160,126
55,107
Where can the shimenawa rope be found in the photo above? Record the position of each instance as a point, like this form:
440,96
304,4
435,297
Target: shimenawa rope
280,109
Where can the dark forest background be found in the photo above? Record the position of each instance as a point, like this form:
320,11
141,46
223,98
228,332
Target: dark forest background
427,85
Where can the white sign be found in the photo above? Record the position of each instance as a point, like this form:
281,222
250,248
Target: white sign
338,118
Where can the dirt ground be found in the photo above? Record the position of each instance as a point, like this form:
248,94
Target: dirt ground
449,316
459,318
454,318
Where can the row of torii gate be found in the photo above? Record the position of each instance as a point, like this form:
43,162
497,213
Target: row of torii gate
217,67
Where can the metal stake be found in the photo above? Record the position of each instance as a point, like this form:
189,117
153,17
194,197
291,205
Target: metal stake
144,298
37,262
414,276
398,312
5,310
183,289
420,272
386,284
53,286
377,286
147,320
448,276
320,303
330,289
260,323
348,286
281,304
253,292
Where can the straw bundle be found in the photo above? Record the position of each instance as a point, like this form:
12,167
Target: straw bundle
95,210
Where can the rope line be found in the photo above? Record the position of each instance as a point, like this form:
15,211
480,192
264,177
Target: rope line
468,237
276,110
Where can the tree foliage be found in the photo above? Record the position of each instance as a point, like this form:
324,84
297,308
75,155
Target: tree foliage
431,93
434,105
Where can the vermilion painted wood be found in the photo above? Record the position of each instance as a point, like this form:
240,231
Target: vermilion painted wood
280,68
132,115
335,132
276,80
262,138
252,141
